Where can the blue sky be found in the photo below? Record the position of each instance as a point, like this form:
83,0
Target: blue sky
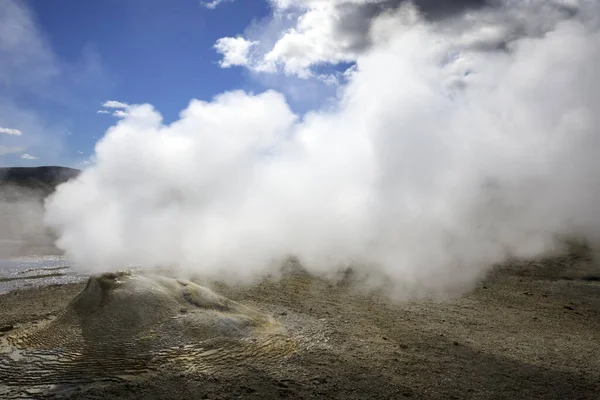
134,51
60,61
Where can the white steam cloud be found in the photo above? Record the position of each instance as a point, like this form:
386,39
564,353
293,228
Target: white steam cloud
441,157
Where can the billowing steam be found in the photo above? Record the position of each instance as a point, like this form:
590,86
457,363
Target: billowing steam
454,144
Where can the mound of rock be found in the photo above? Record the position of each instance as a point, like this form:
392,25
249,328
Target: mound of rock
125,325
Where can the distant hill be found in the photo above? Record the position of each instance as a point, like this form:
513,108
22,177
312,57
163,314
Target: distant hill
38,178
22,193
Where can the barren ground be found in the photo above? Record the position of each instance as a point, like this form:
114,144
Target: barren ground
530,331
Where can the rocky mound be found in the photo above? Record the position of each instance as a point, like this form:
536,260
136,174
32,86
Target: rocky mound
124,325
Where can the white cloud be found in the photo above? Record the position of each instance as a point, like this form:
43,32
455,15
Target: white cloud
312,41
4,150
26,156
120,113
303,35
115,104
115,108
306,33
214,3
10,131
235,51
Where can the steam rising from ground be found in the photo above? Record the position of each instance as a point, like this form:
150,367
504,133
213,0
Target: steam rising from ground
21,219
454,145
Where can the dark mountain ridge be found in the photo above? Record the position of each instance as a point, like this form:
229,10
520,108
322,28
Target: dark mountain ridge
22,194
45,178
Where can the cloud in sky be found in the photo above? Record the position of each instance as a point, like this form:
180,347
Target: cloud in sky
10,131
235,51
115,108
214,3
304,34
115,104
120,113
26,156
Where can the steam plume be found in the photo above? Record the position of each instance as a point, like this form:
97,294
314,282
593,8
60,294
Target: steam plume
454,145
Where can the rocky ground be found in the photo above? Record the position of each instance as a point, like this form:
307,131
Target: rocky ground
529,331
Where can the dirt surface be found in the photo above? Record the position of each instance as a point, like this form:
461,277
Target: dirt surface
530,331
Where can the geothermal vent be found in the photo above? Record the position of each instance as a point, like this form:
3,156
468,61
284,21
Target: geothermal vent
124,325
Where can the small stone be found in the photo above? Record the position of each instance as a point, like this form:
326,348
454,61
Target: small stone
569,308
283,313
6,328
